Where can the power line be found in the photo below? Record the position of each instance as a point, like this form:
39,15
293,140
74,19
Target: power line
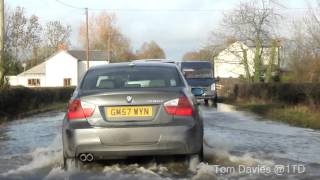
141,10
278,4
70,6
163,10
87,28
175,10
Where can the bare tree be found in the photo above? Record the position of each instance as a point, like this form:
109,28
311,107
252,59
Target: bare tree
15,31
206,52
151,50
246,63
252,23
26,40
192,55
33,38
222,42
304,55
56,34
270,66
105,35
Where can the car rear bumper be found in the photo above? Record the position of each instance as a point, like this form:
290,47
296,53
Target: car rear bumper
117,143
207,96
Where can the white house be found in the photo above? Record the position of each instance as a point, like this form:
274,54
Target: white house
64,68
229,62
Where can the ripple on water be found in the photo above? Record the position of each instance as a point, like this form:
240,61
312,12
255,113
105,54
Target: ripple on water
253,143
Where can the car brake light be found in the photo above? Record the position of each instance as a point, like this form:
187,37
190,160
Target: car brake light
179,107
79,110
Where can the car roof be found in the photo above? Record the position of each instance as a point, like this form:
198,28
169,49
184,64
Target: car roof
199,61
155,60
138,64
195,64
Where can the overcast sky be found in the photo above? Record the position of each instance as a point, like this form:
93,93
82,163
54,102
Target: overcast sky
177,26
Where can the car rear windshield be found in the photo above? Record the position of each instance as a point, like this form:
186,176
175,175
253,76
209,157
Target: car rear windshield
190,73
132,77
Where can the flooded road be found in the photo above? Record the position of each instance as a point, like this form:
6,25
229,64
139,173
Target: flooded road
238,145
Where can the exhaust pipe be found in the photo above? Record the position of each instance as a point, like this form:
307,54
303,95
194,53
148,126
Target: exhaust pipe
90,157
83,157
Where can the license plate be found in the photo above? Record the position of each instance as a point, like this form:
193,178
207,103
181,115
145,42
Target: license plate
129,111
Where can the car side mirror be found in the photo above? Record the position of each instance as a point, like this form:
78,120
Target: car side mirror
197,91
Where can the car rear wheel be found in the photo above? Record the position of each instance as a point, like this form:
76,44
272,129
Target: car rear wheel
210,102
71,164
194,160
215,99
206,101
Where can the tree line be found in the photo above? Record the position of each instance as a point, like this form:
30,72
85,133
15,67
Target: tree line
105,35
259,24
29,42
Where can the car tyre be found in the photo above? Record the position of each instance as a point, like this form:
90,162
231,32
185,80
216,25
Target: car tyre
213,102
206,101
194,160
215,99
71,164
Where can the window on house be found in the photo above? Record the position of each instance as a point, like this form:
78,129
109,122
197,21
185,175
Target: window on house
67,82
33,82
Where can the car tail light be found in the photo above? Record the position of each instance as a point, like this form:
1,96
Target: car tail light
179,107
79,110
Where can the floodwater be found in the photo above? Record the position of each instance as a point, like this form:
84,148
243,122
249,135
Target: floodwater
238,145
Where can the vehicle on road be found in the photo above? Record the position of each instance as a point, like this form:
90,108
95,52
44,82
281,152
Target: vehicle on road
131,109
200,75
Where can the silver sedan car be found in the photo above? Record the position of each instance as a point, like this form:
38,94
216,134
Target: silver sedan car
131,109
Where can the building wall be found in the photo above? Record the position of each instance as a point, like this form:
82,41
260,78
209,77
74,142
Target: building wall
57,68
13,80
229,62
61,66
22,80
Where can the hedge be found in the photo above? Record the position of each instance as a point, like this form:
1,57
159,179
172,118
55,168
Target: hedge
280,92
16,101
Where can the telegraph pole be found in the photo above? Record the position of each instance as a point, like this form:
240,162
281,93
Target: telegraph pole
87,37
1,42
109,46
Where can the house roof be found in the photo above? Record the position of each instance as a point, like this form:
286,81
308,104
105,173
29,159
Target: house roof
230,47
78,54
38,69
93,55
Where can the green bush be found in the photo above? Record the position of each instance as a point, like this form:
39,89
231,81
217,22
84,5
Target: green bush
287,93
14,101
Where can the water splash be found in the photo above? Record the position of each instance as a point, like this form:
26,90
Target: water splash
50,156
221,155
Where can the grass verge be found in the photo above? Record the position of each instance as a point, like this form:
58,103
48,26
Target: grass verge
295,115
